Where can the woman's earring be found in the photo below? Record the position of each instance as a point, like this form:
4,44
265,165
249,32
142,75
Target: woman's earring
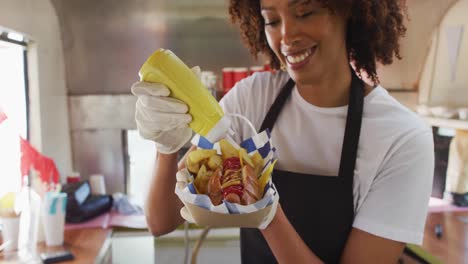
283,67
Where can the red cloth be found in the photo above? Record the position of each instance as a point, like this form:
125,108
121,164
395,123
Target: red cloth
31,158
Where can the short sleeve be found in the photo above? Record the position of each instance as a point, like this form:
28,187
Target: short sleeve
234,102
397,203
252,97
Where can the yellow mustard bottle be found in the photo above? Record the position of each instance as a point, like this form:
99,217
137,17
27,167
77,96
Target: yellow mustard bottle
208,118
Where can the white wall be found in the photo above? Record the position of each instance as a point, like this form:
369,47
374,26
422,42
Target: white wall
424,17
48,94
440,86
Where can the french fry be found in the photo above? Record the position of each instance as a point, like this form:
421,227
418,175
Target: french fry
227,150
244,158
201,180
258,163
195,157
227,184
193,167
200,154
215,162
202,172
266,175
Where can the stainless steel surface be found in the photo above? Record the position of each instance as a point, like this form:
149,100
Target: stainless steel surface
106,41
98,123
100,151
102,112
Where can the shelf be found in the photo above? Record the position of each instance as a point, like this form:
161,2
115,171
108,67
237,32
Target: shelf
447,123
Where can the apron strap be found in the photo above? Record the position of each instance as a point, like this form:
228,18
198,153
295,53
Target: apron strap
353,128
353,122
277,106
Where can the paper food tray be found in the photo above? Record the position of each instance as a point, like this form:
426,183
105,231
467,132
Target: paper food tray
198,207
204,217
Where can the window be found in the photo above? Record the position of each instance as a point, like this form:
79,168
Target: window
140,161
141,156
13,102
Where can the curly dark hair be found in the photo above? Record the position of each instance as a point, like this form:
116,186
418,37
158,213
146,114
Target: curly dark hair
373,31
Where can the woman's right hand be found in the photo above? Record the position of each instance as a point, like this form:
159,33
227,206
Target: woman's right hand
161,118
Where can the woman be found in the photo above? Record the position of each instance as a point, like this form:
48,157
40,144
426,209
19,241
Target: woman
354,170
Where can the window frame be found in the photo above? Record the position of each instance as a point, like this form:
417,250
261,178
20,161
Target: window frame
24,44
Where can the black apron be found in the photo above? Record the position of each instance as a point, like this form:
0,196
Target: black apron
319,207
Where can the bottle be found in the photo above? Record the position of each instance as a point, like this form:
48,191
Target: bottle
208,118
209,80
30,204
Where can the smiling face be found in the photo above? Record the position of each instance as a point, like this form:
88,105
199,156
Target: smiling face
306,37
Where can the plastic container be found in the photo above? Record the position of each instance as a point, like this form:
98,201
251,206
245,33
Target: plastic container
30,204
10,231
98,184
463,113
53,218
208,119
9,222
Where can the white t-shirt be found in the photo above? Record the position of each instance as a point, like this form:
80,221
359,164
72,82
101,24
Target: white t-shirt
395,159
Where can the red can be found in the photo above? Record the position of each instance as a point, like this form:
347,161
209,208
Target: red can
240,73
73,177
228,79
255,69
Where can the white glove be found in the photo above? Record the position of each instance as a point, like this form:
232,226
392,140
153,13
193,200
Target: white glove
161,118
183,176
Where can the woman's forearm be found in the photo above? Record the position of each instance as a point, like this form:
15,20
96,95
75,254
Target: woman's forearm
285,243
162,207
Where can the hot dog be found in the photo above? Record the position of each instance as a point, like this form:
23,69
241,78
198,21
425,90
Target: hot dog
232,180
251,192
232,177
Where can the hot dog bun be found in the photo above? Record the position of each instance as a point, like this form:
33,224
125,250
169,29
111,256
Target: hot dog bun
214,188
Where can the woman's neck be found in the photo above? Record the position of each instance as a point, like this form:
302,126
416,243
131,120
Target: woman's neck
332,90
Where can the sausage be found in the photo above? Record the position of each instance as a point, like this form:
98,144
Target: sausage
251,187
233,198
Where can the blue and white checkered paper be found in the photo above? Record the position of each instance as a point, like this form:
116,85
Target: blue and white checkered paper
260,142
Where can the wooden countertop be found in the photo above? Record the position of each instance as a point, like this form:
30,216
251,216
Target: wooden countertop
451,247
85,244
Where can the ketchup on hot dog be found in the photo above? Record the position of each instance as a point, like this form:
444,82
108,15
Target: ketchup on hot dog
232,163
